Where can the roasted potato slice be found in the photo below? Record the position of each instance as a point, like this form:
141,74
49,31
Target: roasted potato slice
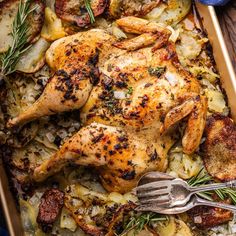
52,28
74,11
34,58
119,8
220,147
171,13
8,10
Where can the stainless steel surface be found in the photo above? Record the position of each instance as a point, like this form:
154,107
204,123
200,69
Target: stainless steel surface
171,193
194,201
228,80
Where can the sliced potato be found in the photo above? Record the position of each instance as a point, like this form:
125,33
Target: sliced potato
29,157
167,228
216,101
8,10
118,8
115,8
173,227
175,11
52,28
220,147
183,165
34,58
6,20
28,217
183,229
74,11
204,72
67,221
188,47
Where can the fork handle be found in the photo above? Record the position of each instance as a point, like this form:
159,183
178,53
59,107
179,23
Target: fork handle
230,184
201,202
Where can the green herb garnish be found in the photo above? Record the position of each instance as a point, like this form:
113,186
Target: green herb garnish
129,91
20,30
203,178
89,10
157,71
140,221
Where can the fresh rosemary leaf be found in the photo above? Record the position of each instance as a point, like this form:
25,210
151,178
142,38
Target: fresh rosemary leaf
19,33
89,10
203,178
140,221
157,71
129,91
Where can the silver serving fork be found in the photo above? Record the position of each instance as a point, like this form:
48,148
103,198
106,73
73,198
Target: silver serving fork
164,190
194,201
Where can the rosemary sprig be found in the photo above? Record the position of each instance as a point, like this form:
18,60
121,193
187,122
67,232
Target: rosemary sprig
203,178
19,33
89,10
140,221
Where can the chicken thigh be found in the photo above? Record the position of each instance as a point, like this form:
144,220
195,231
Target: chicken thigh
120,156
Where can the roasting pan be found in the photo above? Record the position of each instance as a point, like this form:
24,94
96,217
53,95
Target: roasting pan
228,80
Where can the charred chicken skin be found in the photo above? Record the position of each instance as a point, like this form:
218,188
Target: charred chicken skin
134,89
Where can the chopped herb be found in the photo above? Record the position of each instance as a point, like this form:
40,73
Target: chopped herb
89,10
157,71
129,91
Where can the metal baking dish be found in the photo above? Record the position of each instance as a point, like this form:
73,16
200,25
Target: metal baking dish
228,80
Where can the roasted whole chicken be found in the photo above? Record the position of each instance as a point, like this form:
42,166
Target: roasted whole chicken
131,94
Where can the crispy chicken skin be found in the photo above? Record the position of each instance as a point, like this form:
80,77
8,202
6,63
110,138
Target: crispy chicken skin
220,147
140,87
74,61
120,156
159,85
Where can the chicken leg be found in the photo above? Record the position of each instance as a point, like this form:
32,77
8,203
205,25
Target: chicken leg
121,157
74,60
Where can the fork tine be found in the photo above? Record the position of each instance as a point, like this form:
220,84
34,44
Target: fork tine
156,193
151,207
153,185
155,198
157,201
154,176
